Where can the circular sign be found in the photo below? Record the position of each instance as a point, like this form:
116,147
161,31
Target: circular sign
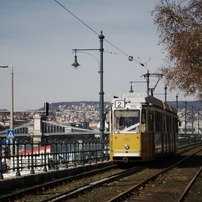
130,58
7,141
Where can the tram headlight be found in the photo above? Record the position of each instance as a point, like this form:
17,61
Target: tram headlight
127,147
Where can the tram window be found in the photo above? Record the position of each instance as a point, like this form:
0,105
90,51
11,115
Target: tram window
143,121
158,121
163,123
171,124
168,121
175,124
151,122
126,121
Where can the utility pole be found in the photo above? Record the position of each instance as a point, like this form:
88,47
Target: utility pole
165,88
177,102
198,122
192,119
185,119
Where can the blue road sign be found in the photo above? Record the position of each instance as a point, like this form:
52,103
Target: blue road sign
10,134
130,58
7,141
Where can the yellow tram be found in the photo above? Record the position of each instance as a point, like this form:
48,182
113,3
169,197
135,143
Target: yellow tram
142,128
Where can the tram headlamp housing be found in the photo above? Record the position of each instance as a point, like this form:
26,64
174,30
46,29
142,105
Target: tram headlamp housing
127,147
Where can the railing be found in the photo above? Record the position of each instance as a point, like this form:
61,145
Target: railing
51,155
189,138
56,154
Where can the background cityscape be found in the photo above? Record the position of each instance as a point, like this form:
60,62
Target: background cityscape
85,114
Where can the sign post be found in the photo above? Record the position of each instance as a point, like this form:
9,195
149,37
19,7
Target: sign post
10,138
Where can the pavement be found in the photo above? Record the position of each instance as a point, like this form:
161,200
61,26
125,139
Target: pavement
10,174
13,174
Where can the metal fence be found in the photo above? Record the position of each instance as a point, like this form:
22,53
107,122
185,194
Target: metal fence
184,139
50,155
25,155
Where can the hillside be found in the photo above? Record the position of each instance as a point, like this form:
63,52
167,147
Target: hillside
95,105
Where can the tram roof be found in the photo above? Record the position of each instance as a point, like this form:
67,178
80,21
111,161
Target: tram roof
155,101
135,97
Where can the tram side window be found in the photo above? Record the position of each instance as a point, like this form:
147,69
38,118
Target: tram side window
175,124
168,122
151,121
158,121
143,121
163,123
171,124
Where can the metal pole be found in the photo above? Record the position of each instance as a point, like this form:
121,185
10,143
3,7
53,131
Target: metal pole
177,102
147,83
12,148
198,122
12,111
12,100
192,122
101,37
185,119
165,94
101,93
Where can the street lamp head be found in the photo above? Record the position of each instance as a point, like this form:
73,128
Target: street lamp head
75,64
131,88
4,66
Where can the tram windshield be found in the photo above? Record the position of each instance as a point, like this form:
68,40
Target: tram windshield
126,121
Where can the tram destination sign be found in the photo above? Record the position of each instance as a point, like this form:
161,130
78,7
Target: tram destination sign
119,104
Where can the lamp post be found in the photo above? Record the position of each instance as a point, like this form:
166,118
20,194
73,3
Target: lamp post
185,119
198,122
165,88
101,93
11,99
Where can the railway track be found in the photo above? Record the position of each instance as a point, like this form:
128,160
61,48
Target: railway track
111,184
197,178
54,191
79,190
170,184
146,179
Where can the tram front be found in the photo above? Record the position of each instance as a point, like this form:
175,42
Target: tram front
126,127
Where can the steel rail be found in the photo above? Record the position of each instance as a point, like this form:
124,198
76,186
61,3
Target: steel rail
81,189
189,185
27,191
128,192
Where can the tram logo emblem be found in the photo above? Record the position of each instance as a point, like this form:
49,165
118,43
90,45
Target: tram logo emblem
126,139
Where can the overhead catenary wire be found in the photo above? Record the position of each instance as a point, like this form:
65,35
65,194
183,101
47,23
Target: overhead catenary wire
77,17
98,34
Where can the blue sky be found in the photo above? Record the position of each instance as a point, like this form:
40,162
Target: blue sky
37,38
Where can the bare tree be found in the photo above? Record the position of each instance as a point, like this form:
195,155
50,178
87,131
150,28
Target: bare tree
179,23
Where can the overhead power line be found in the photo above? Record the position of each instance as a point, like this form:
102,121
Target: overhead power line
130,58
